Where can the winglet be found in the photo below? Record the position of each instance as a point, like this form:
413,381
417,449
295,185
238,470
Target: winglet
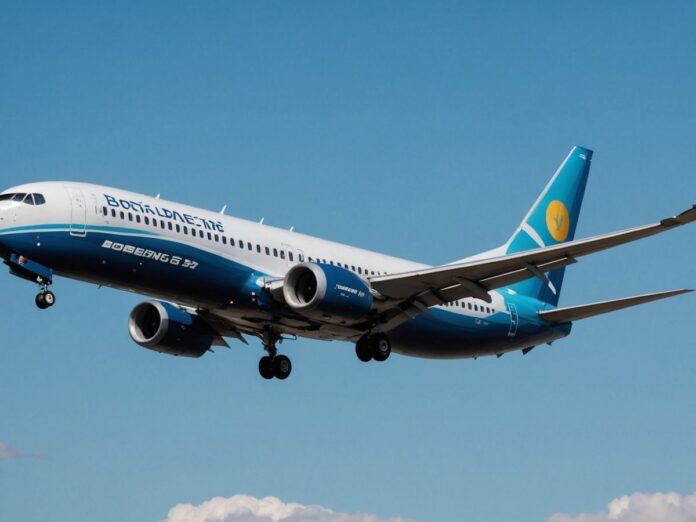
680,219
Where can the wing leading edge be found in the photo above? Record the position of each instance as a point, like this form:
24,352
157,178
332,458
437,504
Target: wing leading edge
445,283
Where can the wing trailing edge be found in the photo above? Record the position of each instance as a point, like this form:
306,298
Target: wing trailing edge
574,313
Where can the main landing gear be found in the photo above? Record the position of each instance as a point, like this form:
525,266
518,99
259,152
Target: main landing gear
375,347
45,298
273,365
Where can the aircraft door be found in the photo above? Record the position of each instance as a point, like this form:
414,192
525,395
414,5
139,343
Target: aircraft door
290,254
514,320
78,212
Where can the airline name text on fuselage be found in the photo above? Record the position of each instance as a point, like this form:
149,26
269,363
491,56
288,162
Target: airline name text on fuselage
165,213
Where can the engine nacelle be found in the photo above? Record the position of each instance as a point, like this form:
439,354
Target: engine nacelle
327,293
164,328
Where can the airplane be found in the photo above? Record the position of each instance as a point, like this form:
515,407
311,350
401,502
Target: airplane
210,276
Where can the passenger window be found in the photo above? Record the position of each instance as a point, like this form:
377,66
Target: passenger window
147,220
352,268
162,224
105,211
291,259
359,270
210,236
300,257
178,228
268,251
154,222
123,216
185,229
200,233
169,225
113,213
275,252
249,245
130,217
231,241
137,218
258,248
282,254
224,240
241,244
217,238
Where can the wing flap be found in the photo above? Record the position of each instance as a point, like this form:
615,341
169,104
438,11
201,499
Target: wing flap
574,313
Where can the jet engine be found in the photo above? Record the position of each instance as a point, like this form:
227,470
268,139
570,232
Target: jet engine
327,293
164,328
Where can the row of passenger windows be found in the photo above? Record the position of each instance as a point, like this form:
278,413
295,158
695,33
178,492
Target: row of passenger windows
219,238
23,197
471,306
211,236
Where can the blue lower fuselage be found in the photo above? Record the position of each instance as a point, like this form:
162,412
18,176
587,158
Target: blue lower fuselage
154,265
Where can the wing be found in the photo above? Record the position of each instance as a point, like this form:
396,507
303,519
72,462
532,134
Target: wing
574,313
414,291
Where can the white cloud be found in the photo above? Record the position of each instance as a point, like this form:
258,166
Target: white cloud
243,508
8,452
641,507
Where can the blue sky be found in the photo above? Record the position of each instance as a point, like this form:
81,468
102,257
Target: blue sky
424,130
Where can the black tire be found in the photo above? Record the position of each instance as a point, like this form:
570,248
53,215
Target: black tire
49,298
266,367
363,349
281,367
39,300
381,347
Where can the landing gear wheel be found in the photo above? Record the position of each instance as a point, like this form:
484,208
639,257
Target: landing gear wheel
381,347
281,367
39,300
45,299
266,367
363,349
49,298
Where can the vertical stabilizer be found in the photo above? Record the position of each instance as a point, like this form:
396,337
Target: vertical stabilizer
552,219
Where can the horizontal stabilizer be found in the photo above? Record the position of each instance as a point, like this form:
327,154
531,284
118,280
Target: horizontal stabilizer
574,313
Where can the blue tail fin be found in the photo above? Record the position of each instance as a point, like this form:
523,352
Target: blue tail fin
552,220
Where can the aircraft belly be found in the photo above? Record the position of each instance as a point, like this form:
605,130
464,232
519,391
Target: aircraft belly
447,335
142,264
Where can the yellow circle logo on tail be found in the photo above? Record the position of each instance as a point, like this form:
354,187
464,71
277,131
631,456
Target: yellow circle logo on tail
557,220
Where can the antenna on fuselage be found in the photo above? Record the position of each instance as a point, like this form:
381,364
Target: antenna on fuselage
261,222
223,209
157,196
292,228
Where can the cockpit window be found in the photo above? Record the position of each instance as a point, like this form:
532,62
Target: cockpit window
23,197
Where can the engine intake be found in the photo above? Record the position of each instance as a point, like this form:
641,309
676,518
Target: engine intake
164,328
327,292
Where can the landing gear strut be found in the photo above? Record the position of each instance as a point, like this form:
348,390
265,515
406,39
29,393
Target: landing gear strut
377,347
45,298
273,365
